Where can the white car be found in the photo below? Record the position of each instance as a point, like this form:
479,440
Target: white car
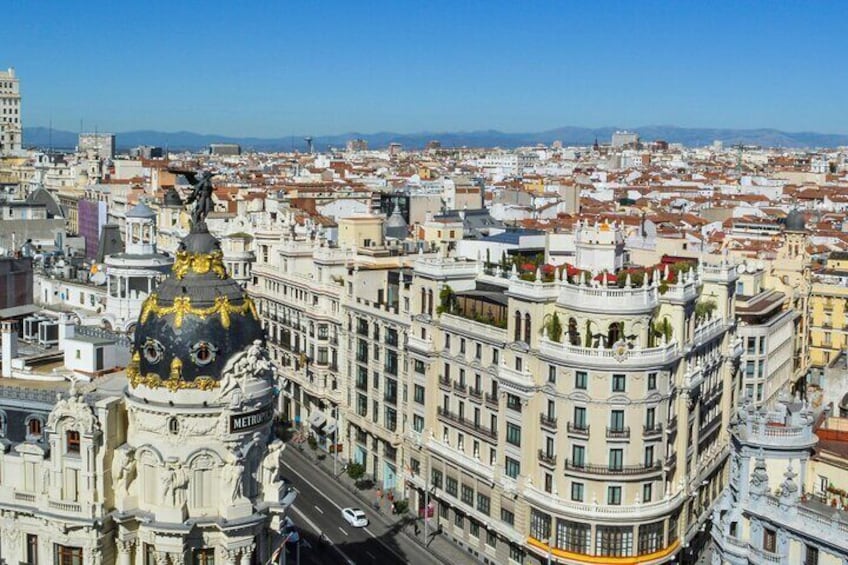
355,517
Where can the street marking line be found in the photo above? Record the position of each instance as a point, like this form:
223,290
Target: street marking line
331,501
315,527
342,531
318,509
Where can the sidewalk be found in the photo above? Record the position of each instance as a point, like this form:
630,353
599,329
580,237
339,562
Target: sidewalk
439,547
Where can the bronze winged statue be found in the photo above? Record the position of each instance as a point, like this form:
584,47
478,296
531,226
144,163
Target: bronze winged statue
201,193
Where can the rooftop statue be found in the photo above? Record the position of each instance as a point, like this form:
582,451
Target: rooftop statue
201,193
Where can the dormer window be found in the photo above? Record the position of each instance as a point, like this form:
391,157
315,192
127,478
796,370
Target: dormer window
34,428
72,441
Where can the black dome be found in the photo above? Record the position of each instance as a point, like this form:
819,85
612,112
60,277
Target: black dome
795,221
197,319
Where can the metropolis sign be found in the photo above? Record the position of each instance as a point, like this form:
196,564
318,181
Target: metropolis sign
250,420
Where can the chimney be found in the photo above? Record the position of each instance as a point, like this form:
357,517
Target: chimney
9,337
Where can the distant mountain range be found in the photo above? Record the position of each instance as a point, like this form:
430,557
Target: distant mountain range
692,137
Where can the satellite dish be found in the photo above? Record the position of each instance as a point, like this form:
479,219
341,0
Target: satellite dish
740,268
98,278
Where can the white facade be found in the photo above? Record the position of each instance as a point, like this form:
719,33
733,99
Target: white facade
10,112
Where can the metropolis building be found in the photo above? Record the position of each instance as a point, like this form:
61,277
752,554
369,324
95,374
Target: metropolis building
174,464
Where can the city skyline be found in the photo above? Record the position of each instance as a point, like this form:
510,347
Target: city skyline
294,69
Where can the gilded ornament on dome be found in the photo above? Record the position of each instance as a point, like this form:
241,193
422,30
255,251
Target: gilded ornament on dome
199,263
182,307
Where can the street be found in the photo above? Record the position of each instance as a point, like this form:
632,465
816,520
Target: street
317,510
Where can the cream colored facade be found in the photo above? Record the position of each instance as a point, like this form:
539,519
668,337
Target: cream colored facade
828,316
361,231
607,447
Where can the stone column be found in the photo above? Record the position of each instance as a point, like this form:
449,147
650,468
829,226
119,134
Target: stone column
247,553
124,552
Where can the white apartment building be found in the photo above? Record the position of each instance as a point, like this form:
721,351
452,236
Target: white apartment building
10,112
606,441
768,514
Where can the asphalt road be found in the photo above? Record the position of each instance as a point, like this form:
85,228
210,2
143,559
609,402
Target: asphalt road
317,510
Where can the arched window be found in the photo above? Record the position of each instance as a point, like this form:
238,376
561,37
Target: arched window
34,428
527,327
517,325
614,333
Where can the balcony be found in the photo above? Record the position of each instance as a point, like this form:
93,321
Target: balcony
603,299
652,431
602,358
444,382
420,345
548,422
475,394
460,388
625,470
580,430
467,425
618,432
492,401
547,459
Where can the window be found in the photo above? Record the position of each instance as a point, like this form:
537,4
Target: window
516,554
436,478
462,345
467,495
32,549
580,380
34,427
614,495
649,455
650,418
419,366
418,394
652,381
513,402
614,541
495,356
68,555
578,455
519,364
478,351
573,536
512,468
507,517
549,482
173,426
451,486
577,492
650,537
811,555
417,423
204,556
552,374
72,441
513,434
540,525
769,540
647,492
616,459
580,417
458,519
473,528
491,538
617,420
618,383
483,503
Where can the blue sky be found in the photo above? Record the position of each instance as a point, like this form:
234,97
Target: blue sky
278,68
